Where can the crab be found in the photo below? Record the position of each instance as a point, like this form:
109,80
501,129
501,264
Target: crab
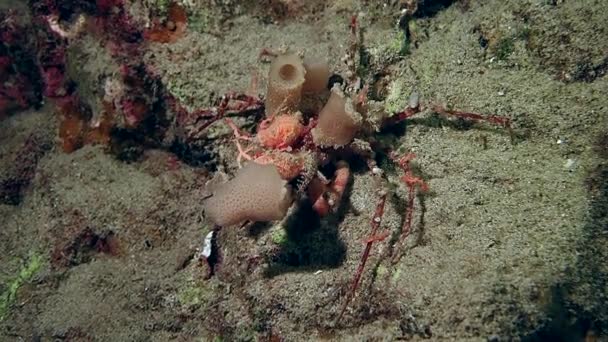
286,143
285,139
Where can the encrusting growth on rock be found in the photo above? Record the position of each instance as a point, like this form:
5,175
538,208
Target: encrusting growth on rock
256,193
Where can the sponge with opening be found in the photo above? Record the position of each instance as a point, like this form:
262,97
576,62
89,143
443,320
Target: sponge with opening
338,121
285,81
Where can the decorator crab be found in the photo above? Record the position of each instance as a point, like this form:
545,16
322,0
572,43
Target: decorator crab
289,146
312,122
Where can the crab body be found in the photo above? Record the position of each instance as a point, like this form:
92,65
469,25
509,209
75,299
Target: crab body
298,146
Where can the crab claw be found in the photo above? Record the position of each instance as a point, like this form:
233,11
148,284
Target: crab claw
326,197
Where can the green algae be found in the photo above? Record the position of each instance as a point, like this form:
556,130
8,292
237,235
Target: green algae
192,295
279,236
27,272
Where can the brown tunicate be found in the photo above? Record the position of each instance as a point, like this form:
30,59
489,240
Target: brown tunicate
285,81
317,75
338,121
256,193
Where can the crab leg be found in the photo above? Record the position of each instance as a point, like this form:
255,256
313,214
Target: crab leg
375,224
412,182
239,136
492,119
319,187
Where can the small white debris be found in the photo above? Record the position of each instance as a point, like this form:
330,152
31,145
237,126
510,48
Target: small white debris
560,141
376,170
318,272
414,100
501,93
206,252
377,219
570,164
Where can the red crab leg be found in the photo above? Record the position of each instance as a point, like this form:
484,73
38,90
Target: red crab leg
411,182
375,224
237,132
353,24
412,109
492,119
406,114
231,103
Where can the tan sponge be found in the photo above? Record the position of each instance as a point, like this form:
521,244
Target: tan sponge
285,81
256,193
317,75
338,121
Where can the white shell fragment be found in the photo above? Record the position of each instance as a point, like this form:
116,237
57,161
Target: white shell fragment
206,251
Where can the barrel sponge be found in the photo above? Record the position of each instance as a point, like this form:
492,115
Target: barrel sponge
317,75
338,121
256,193
285,81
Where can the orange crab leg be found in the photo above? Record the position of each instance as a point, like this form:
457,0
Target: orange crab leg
317,190
338,186
243,153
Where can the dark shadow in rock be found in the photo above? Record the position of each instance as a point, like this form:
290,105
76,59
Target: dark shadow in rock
16,179
128,144
310,245
256,229
197,154
429,8
578,307
561,326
